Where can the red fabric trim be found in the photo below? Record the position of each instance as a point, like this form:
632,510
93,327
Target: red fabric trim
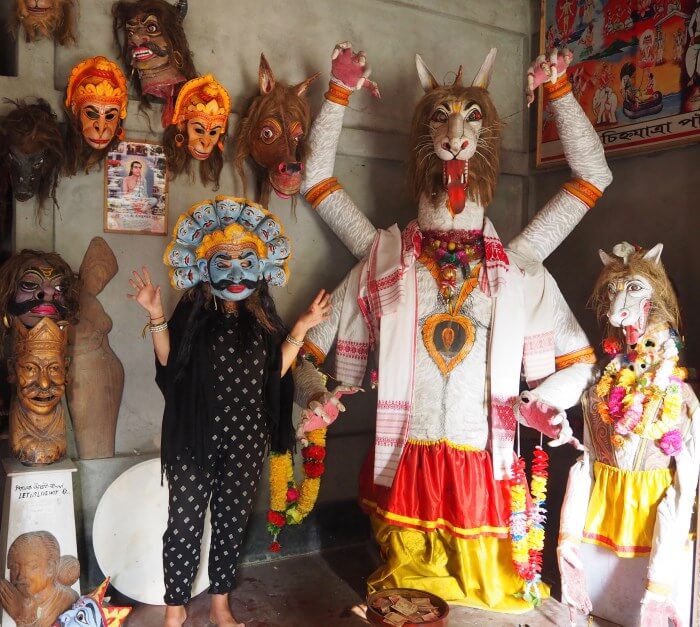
438,486
624,550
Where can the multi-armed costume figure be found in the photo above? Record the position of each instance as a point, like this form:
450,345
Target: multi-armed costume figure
452,316
633,504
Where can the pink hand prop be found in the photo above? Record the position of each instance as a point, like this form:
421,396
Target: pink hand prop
546,68
352,70
659,614
548,420
320,415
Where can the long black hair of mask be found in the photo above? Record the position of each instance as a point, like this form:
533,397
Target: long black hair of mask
255,315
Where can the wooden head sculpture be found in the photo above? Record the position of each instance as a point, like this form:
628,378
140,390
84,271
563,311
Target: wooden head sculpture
31,152
96,106
633,292
154,48
47,19
273,133
40,579
198,129
455,139
38,367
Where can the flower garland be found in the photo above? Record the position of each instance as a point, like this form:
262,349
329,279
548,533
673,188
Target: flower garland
527,523
636,385
290,503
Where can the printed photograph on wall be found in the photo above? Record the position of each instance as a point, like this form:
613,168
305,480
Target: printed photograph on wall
635,71
136,190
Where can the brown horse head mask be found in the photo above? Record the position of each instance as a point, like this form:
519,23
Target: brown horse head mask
273,133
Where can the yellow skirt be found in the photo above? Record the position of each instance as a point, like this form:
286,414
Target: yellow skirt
622,508
478,572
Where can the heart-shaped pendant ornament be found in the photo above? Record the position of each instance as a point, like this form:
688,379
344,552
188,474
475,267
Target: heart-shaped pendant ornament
448,340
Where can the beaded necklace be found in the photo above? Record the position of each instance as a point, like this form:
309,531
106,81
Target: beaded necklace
450,252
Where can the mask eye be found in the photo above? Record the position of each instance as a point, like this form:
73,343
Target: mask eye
151,29
38,164
439,116
474,115
267,134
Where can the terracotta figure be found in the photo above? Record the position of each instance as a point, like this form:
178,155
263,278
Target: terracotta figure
40,579
96,105
47,19
273,133
153,46
31,152
198,130
96,375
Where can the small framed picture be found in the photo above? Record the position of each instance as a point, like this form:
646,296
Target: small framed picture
136,189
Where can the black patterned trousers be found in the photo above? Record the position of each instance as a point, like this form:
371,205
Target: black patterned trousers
228,486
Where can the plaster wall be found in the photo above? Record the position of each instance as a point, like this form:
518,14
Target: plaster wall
227,38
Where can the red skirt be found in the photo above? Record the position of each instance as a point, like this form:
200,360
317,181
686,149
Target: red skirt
440,486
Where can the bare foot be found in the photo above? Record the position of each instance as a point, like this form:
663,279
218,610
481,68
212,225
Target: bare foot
224,619
220,613
175,616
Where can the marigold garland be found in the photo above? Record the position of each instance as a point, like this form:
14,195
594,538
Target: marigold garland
527,522
290,502
650,404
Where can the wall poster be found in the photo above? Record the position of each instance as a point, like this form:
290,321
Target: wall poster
136,189
636,71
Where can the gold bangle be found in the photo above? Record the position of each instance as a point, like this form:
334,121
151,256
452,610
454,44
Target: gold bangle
294,342
155,320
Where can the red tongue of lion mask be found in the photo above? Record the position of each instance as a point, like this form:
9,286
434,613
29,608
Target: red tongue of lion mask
273,133
463,139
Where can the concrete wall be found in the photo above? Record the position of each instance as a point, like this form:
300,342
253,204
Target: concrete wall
297,38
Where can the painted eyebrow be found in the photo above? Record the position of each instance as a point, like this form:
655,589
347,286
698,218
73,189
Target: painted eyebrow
445,104
248,253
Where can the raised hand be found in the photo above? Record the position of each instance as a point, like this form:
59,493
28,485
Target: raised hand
545,68
319,309
546,419
351,70
323,411
147,295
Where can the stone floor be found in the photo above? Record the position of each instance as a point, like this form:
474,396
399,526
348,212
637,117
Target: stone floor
326,590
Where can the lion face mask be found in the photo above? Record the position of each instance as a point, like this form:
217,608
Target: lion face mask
47,19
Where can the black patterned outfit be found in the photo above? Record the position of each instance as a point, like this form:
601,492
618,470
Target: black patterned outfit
237,439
